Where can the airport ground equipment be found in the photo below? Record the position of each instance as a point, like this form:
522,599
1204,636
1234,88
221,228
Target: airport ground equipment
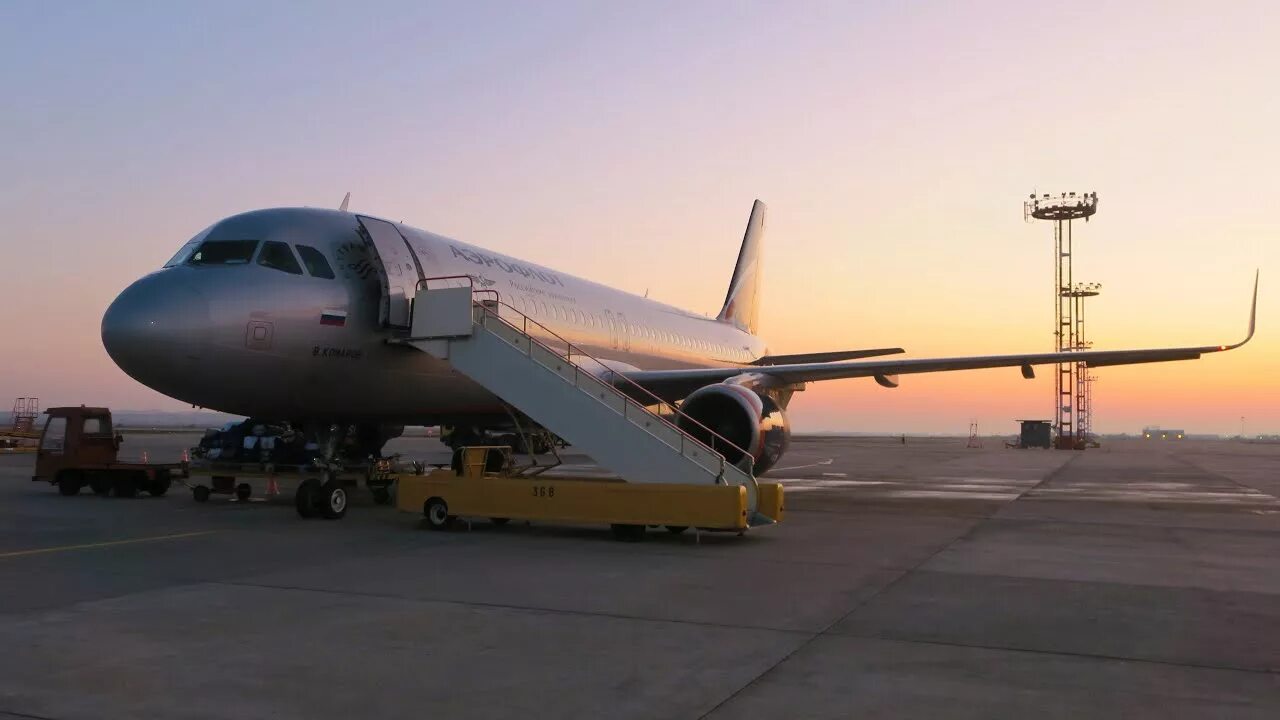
26,410
569,392
1034,434
474,491
79,447
314,496
21,434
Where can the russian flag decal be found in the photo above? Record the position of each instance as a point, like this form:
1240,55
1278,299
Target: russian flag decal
337,318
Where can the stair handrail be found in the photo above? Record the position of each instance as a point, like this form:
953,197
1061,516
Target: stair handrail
614,375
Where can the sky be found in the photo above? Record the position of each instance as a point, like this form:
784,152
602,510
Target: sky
624,142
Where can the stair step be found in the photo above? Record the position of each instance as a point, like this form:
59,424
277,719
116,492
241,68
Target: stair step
544,383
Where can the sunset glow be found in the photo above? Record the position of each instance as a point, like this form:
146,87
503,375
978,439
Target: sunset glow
625,144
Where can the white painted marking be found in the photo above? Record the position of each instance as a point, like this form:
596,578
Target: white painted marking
828,461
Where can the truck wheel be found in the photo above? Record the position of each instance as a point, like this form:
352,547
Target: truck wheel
69,483
126,486
304,500
200,493
160,485
244,491
628,533
333,500
437,512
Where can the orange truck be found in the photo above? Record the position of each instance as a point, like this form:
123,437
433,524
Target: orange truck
80,448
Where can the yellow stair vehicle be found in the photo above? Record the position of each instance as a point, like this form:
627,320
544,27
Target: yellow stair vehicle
483,485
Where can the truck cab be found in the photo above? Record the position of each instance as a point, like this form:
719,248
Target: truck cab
75,436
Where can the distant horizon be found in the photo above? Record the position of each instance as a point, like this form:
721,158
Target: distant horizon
6,418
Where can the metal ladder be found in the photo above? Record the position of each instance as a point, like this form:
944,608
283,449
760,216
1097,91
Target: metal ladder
639,442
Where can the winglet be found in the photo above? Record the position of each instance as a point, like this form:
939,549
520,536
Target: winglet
346,199
1253,315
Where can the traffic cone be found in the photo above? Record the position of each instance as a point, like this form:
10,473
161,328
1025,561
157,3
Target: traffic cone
186,456
273,487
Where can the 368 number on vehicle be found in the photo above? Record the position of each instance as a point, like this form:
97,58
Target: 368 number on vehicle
544,491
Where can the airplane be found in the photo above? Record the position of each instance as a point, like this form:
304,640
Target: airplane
291,313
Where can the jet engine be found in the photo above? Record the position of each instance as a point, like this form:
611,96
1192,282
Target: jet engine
750,421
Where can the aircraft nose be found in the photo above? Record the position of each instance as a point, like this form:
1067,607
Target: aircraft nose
150,329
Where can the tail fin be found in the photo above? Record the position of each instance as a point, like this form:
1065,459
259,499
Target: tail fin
742,302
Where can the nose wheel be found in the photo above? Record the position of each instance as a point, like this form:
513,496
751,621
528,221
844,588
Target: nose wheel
326,499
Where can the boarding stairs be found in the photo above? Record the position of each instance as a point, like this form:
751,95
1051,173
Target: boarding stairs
567,391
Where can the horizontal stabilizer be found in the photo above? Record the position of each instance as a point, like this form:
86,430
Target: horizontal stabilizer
821,357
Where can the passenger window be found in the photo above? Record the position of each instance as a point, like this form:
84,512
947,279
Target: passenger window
277,255
317,265
223,252
55,434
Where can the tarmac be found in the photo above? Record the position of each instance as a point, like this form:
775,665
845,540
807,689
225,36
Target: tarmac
930,580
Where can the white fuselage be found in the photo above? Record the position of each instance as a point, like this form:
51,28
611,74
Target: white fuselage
254,340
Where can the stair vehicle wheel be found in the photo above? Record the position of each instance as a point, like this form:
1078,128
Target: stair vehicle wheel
677,529
333,500
160,485
304,500
628,533
200,493
244,491
69,483
499,521
437,512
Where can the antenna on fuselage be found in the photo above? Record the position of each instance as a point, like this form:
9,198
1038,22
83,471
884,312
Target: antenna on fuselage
346,200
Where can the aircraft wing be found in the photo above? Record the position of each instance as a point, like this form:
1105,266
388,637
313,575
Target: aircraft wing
676,384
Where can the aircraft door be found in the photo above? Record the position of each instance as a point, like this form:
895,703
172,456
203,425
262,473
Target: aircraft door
400,271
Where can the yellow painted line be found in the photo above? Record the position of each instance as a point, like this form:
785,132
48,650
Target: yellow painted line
108,543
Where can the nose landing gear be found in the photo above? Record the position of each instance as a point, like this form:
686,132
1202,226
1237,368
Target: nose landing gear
325,496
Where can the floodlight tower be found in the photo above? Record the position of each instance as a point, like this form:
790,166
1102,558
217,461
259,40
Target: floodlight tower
1061,210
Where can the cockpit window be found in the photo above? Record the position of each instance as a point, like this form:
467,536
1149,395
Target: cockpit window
184,252
315,261
278,255
223,252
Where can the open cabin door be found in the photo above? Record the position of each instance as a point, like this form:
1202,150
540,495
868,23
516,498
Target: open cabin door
399,272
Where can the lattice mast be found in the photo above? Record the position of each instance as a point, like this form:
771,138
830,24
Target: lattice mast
1083,401
1070,378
